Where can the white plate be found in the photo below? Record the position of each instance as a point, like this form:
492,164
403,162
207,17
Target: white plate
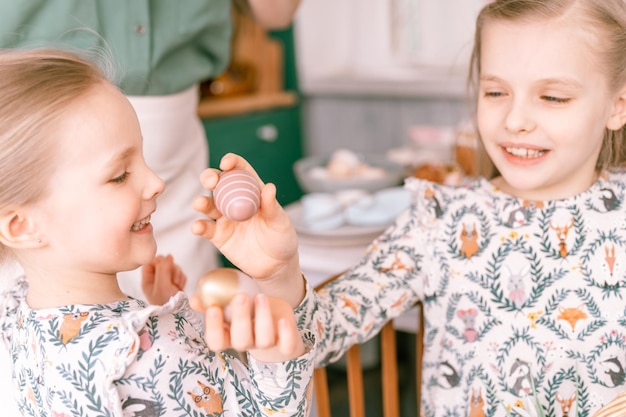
340,236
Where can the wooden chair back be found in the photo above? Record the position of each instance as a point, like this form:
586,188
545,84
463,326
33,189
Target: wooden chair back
389,372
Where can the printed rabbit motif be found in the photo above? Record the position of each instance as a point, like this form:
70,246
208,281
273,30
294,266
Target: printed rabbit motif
516,285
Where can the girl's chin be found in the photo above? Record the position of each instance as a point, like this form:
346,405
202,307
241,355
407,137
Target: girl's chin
520,189
145,258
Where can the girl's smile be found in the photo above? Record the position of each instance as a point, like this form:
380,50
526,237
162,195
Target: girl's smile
542,109
524,155
142,225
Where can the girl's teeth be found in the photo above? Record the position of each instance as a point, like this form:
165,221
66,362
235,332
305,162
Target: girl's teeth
140,224
525,153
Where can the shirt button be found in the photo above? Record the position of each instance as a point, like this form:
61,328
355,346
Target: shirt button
140,29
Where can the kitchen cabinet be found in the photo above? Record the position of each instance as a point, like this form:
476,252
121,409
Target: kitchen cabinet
264,125
269,139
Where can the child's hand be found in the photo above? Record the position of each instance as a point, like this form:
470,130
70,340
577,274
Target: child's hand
161,279
264,246
263,325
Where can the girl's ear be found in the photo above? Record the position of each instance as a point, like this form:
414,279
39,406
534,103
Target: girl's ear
618,116
18,232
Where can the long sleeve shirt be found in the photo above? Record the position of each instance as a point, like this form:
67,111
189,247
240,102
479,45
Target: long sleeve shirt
158,47
128,358
524,301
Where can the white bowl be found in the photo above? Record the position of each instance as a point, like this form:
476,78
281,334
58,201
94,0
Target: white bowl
393,175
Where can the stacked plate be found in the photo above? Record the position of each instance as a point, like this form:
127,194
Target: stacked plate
344,235
334,220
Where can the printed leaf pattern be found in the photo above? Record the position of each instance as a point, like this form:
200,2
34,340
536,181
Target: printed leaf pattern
525,301
129,359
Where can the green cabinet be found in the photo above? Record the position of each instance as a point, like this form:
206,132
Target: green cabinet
270,135
270,140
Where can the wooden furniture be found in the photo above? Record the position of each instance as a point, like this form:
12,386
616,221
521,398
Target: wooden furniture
264,124
268,55
354,372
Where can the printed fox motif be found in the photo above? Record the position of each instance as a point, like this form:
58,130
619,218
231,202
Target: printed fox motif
572,315
207,399
610,257
396,265
70,328
477,404
469,240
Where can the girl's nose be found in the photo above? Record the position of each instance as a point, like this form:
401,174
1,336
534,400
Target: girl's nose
519,118
155,185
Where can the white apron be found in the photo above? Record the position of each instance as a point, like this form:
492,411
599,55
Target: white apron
175,148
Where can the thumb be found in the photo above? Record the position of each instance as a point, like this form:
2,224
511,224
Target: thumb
195,303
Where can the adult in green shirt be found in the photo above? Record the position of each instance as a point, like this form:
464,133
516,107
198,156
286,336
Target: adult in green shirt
162,49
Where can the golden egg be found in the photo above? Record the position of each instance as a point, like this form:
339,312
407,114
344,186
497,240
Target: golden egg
218,287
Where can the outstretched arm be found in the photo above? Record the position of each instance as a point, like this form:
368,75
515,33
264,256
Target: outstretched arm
264,247
264,326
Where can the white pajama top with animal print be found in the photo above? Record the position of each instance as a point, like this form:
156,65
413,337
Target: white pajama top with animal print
130,359
523,300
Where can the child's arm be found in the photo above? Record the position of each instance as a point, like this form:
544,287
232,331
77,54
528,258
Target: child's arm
161,279
264,247
265,326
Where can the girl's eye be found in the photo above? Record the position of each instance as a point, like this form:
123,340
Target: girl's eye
557,100
121,178
494,94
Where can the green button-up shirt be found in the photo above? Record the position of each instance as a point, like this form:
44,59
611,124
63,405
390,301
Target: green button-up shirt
158,46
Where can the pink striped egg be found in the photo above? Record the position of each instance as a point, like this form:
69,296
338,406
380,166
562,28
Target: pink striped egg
237,195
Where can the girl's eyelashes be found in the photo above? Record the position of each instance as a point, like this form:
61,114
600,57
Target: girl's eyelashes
494,93
557,100
547,98
121,178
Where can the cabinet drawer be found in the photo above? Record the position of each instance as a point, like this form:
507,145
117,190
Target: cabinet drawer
270,141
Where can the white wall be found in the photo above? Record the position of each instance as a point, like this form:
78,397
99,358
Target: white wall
371,69
383,38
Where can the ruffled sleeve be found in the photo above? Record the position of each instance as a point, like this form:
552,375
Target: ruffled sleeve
385,283
275,385
9,304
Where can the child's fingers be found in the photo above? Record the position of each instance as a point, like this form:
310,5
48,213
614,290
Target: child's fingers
216,330
169,274
241,327
209,178
205,205
268,200
205,227
164,269
196,303
147,273
180,279
231,161
289,339
264,332
150,268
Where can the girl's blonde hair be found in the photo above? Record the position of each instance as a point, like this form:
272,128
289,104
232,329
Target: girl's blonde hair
36,87
604,20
